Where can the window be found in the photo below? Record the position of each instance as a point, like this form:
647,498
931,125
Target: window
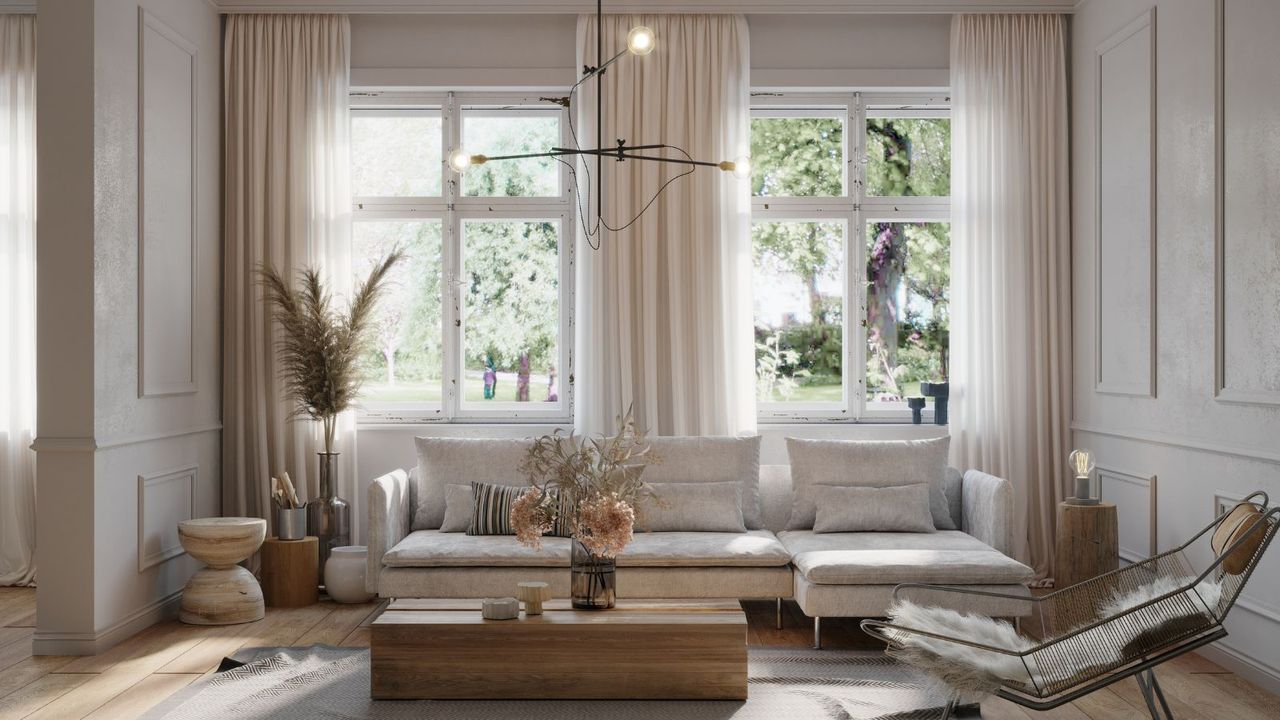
851,248
476,324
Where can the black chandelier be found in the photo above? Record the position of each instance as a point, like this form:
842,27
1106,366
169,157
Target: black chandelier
640,42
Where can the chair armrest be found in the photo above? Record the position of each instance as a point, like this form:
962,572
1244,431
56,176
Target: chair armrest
987,509
390,513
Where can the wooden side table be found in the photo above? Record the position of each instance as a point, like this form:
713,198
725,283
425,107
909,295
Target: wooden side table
291,572
1088,542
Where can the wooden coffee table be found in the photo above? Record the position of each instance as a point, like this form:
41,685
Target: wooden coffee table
640,650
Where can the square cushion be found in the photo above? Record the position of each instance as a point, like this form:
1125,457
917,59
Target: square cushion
867,464
947,557
461,461
710,459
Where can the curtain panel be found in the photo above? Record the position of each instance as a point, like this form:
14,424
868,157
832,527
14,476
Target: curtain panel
287,204
664,306
1011,263
17,298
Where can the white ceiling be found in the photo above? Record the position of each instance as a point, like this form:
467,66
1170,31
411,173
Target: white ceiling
578,6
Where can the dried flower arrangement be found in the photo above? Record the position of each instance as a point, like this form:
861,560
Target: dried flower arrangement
596,479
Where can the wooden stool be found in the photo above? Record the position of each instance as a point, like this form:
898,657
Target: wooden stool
1088,543
222,593
291,572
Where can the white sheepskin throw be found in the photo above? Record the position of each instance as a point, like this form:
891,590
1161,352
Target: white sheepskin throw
1204,595
974,672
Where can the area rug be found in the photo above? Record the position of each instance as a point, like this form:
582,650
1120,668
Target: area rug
325,683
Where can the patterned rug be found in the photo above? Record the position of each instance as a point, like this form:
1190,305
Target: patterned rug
324,683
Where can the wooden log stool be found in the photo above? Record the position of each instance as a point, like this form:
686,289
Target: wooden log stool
223,593
1088,544
291,572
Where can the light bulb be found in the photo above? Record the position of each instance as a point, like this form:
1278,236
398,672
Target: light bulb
460,160
640,40
1081,463
742,167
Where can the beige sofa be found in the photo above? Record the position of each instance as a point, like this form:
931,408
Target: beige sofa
828,574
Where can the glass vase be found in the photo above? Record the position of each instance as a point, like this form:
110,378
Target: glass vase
329,516
593,579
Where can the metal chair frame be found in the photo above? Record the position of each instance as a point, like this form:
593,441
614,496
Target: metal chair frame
1079,603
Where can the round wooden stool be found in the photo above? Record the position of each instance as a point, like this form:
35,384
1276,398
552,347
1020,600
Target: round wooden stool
291,572
1088,544
222,593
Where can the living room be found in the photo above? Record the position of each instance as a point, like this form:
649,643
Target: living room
919,358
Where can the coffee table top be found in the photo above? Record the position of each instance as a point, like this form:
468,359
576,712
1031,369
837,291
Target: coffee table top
561,612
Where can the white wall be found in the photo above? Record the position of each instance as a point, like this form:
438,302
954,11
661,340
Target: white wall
1196,445
121,460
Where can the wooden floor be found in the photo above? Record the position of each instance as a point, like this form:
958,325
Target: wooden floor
130,678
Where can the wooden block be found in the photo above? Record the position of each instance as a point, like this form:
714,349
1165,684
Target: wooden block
1088,543
291,572
651,654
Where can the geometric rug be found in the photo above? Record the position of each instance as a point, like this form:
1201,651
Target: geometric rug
325,683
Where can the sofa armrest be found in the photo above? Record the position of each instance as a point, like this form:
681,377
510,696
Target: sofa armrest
987,509
390,512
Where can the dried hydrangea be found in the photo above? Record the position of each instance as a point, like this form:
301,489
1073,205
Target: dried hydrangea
531,518
604,525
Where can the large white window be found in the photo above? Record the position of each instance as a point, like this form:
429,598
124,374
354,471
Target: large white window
851,244
477,324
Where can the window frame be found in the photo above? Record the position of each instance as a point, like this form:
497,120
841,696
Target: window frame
451,208
856,209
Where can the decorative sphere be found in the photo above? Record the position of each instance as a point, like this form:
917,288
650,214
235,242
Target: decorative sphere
640,41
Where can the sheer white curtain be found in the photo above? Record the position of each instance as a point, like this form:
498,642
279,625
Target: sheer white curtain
664,307
287,203
1010,262
17,298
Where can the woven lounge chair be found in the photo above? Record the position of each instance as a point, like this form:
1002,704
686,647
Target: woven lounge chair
1107,628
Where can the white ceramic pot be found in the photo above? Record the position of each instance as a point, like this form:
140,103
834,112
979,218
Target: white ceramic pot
344,574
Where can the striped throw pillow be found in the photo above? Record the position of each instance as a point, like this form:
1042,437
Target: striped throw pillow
491,510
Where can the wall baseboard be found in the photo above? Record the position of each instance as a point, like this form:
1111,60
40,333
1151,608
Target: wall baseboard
1246,666
56,643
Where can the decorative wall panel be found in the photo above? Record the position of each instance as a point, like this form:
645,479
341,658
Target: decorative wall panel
164,499
1135,498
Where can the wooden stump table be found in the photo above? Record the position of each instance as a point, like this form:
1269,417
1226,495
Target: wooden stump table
1087,543
223,593
291,572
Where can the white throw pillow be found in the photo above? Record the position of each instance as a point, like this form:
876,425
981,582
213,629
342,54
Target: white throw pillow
711,460
459,505
692,507
903,508
849,463
461,461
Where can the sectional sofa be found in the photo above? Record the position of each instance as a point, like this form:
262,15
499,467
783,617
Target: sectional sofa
777,554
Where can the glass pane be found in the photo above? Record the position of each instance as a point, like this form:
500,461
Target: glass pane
395,155
799,310
909,156
511,325
908,321
511,135
405,364
797,157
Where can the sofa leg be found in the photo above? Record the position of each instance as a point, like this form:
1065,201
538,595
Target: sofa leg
817,633
778,615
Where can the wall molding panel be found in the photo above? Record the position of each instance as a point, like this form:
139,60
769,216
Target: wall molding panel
1147,484
167,210
1237,197
1183,442
164,499
1125,210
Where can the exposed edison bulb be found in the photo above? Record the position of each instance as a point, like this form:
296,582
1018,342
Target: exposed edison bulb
640,40
460,160
742,167
1081,463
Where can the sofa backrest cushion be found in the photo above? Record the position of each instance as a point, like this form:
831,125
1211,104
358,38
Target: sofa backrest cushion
868,464
775,496
711,459
461,461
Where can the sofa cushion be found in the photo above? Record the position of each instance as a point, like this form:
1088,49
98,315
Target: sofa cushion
756,548
461,461
710,459
432,548
867,463
878,558
903,508
691,507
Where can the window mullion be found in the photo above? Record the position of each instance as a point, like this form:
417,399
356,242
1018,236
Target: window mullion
451,300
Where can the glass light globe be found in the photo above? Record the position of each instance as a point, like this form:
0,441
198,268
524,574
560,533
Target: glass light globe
1081,462
640,40
742,167
460,160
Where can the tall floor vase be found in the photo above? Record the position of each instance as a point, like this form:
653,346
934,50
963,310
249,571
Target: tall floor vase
329,516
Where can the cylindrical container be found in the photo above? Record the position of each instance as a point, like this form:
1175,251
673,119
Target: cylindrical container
329,516
593,579
344,574
291,523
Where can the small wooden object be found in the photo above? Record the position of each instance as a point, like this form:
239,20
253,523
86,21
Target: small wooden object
222,593
533,594
291,572
507,608
1088,543
673,650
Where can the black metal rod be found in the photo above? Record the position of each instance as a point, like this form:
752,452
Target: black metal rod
592,72
599,114
678,161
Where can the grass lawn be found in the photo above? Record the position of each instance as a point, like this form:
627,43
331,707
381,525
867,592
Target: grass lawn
429,391
833,393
